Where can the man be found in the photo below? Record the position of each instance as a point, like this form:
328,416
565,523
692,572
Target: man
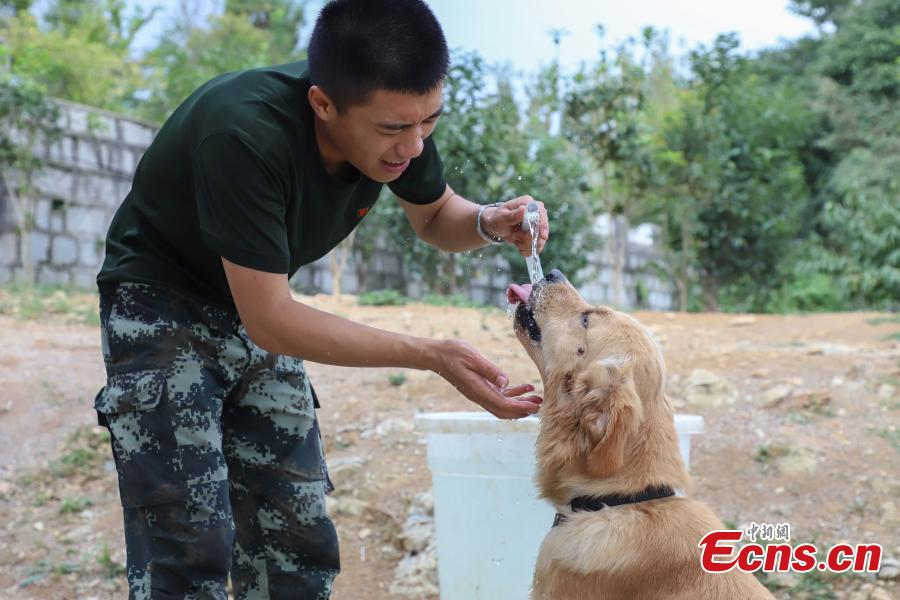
218,452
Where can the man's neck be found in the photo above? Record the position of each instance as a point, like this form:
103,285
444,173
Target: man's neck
334,163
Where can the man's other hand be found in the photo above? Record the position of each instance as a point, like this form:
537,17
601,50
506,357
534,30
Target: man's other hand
482,382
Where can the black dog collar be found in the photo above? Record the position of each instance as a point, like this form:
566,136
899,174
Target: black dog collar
594,503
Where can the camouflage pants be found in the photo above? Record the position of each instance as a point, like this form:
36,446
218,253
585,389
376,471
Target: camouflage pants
219,456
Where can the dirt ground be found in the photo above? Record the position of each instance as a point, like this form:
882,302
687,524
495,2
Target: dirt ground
807,435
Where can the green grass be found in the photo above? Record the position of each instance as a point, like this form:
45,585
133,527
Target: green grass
382,298
108,567
455,300
74,505
893,437
83,453
891,337
37,302
79,460
43,568
882,320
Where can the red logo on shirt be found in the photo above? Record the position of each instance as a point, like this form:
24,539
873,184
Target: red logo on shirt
362,212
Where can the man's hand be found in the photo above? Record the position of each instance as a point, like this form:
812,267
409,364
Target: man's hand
482,382
505,221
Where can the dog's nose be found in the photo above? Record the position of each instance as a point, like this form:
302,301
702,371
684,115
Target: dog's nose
555,276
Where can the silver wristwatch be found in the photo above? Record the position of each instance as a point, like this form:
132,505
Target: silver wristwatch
480,230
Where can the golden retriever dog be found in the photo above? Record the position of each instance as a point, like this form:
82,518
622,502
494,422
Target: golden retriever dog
608,459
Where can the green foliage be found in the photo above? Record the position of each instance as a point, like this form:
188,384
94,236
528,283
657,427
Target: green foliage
81,52
247,34
863,53
382,298
397,379
813,292
772,177
27,121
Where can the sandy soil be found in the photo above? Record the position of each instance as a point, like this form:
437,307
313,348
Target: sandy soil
823,459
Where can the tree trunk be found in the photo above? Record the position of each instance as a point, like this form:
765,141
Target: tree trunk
20,200
684,271
451,274
614,252
339,257
620,236
710,293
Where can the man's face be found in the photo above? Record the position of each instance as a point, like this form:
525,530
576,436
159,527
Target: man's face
380,137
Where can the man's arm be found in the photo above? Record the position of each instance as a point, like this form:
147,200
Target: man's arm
449,223
278,323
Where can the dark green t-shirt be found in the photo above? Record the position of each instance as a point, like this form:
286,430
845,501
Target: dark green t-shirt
235,172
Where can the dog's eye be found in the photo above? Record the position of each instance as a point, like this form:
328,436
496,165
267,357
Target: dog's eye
584,319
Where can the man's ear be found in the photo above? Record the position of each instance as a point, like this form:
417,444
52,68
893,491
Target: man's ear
321,104
611,412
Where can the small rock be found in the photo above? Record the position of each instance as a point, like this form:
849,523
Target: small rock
813,399
890,568
742,321
345,505
344,468
784,580
390,426
859,371
760,374
39,526
799,461
880,594
773,396
886,391
837,381
670,316
5,488
816,351
704,388
364,533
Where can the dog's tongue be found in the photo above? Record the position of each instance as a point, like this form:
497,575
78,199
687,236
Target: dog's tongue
518,293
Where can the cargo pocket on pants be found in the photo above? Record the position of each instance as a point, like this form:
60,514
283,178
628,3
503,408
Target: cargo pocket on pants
141,424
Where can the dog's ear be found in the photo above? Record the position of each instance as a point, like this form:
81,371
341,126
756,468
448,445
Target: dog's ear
611,411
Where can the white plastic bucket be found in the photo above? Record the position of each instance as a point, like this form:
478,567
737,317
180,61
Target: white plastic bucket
489,521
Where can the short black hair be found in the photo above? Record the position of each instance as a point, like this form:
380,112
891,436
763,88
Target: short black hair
361,46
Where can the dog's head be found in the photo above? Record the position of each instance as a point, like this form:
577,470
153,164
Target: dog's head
603,377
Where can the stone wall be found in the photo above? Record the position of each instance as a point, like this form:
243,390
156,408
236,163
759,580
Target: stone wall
88,173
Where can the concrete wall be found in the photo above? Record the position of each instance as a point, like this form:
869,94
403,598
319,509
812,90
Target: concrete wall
88,173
